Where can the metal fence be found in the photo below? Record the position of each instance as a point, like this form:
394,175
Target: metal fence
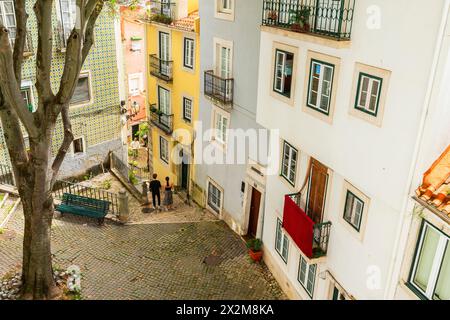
162,69
218,88
333,18
62,187
6,175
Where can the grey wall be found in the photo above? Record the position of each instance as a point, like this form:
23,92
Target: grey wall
244,32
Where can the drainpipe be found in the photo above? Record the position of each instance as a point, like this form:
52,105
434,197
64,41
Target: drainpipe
404,224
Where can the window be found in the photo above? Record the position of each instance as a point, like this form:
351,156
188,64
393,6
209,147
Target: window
164,149
281,242
320,86
189,53
82,92
220,126
338,294
187,109
135,84
284,62
368,93
214,197
68,16
164,100
353,211
307,275
224,9
289,163
78,145
430,274
27,94
8,18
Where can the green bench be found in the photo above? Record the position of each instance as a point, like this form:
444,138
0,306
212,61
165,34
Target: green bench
84,206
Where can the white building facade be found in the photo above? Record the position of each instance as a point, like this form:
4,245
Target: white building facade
350,87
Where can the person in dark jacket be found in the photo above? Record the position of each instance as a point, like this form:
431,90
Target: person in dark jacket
155,189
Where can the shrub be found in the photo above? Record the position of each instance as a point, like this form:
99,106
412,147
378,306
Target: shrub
254,244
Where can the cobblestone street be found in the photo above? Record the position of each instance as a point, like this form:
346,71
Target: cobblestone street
193,260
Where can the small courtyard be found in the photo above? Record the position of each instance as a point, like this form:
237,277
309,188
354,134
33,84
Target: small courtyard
182,254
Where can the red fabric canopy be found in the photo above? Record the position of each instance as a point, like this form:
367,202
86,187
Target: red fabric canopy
299,226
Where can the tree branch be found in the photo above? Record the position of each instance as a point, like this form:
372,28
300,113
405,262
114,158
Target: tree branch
67,141
89,33
43,12
10,87
21,37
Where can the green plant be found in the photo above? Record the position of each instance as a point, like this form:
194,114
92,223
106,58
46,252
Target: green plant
106,185
161,18
143,130
300,17
132,177
254,245
2,231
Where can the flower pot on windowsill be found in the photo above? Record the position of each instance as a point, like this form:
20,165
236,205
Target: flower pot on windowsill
301,28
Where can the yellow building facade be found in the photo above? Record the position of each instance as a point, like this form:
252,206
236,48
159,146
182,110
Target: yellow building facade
173,47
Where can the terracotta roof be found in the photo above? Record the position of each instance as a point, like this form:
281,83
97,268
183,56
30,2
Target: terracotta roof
435,188
188,23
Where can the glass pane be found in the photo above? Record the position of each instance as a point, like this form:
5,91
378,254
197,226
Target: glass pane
302,271
363,99
81,93
442,291
425,258
348,207
278,237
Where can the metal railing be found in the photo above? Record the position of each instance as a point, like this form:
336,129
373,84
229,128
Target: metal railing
6,175
62,187
162,69
218,88
332,18
162,11
161,120
124,170
321,232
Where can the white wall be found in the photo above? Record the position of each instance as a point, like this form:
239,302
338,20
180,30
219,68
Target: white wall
376,160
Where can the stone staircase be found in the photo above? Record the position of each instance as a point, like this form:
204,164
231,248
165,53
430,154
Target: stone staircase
8,205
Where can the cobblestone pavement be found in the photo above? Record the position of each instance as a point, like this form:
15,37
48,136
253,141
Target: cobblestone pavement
196,260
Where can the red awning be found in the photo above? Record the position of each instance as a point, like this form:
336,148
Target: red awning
299,226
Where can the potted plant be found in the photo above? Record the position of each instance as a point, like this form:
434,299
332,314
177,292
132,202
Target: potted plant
254,249
272,15
300,20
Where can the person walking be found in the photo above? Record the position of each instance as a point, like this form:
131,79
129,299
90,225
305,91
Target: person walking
155,188
168,195
135,145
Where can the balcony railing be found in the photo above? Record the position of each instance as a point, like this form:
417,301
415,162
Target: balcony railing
162,11
161,120
162,69
218,88
312,238
331,18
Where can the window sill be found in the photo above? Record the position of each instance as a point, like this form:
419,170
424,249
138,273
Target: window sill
308,37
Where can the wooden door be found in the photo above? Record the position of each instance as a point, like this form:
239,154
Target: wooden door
254,212
317,189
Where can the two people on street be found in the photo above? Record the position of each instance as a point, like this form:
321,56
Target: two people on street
155,189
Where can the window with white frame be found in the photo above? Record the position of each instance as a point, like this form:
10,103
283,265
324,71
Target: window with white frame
225,6
320,86
289,163
135,84
8,18
27,94
307,275
282,82
353,210
82,93
430,274
368,93
187,109
214,197
68,16
78,146
281,242
164,149
221,122
189,53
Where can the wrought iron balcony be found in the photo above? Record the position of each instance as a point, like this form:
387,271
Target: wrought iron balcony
161,120
219,89
162,69
331,18
311,237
